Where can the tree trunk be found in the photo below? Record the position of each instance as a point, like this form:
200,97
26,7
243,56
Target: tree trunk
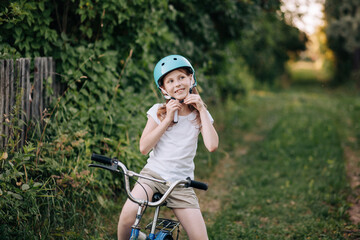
356,67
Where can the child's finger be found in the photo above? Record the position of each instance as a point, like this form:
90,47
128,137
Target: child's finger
190,99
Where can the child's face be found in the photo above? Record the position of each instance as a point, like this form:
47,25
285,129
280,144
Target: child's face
177,83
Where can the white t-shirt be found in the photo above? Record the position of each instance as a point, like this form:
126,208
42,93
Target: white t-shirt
173,156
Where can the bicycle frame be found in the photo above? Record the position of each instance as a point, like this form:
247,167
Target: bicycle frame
162,234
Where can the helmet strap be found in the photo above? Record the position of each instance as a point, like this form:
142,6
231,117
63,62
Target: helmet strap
164,93
193,85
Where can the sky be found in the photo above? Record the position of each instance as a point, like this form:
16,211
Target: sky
311,13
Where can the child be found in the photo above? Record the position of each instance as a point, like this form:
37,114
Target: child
173,145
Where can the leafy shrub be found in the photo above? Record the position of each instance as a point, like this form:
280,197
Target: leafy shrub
105,52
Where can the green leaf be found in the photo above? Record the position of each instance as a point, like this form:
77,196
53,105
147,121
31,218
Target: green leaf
25,187
15,195
101,200
41,6
89,32
18,31
37,184
83,17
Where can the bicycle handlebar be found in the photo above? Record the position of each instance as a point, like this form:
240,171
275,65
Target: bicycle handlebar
116,164
196,184
101,159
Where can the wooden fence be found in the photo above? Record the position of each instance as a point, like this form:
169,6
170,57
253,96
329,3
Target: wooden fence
19,88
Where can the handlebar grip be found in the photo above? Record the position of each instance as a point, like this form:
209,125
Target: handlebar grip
101,159
197,184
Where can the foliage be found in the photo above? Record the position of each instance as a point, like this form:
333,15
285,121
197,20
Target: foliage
258,55
104,52
266,45
236,79
343,32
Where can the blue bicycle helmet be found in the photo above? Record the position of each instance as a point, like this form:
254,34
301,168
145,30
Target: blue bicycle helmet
170,63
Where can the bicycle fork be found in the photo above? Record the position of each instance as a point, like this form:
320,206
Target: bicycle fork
135,230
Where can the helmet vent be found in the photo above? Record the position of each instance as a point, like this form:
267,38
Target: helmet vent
162,64
175,58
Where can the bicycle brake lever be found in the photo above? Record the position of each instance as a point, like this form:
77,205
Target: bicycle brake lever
112,168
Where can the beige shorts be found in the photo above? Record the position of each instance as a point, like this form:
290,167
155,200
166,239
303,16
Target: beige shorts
179,198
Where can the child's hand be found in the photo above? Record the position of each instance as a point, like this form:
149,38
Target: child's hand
171,107
195,100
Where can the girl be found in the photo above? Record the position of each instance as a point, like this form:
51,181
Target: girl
173,145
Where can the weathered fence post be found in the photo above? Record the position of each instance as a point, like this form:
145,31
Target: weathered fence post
55,86
15,80
2,101
8,95
22,73
36,104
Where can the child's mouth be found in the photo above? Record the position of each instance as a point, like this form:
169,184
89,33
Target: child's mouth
179,90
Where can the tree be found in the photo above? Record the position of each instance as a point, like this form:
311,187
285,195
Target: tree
343,34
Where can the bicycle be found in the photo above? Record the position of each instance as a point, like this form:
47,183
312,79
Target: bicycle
160,228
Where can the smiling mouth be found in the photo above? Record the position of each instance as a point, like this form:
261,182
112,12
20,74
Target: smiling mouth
180,90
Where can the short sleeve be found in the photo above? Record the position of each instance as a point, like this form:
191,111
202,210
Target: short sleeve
152,112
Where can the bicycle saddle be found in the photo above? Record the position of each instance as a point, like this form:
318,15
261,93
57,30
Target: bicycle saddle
156,197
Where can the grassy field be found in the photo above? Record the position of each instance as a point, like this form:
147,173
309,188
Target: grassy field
284,170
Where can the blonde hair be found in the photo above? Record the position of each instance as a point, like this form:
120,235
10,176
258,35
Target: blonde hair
161,113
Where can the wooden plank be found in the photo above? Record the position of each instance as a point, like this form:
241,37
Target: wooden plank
27,88
51,75
56,85
23,101
35,95
41,87
50,81
26,98
17,83
2,101
8,101
46,95
12,90
16,92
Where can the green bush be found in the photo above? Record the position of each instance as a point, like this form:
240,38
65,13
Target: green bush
105,52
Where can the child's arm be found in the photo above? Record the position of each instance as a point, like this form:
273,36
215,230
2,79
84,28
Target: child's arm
210,136
153,131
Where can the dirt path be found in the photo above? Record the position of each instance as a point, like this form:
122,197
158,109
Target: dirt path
211,201
215,199
353,172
